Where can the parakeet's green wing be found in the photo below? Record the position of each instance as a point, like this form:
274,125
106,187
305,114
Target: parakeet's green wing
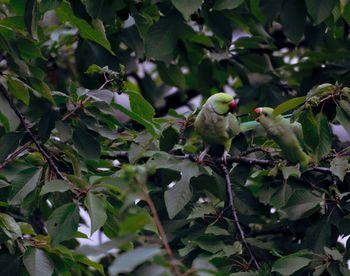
233,126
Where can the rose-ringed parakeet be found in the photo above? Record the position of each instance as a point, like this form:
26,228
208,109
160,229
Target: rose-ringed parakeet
288,136
216,124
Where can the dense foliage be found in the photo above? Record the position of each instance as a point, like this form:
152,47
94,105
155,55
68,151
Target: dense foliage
97,103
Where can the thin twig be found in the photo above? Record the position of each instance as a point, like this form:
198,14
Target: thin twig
85,101
232,196
40,147
15,154
160,228
81,104
249,151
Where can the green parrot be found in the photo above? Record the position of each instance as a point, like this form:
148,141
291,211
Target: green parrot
216,124
288,136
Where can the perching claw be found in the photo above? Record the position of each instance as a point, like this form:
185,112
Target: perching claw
203,154
224,156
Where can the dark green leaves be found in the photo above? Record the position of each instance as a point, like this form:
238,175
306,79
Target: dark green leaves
94,33
310,129
290,264
187,7
226,4
126,262
301,204
320,10
180,194
86,145
9,142
63,223
161,38
293,17
31,17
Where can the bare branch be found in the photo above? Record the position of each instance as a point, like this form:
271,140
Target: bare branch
163,238
232,196
40,147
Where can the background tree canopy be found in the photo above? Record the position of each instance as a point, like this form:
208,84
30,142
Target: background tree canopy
97,104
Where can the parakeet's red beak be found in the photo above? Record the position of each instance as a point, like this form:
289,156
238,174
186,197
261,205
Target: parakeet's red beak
233,105
258,110
257,119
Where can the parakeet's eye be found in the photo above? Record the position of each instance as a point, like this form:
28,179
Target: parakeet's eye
265,114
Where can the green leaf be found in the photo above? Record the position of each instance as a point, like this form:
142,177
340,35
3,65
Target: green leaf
133,223
37,262
168,139
17,89
63,223
140,105
320,10
288,171
301,204
64,130
23,183
227,4
86,261
128,261
97,211
86,145
162,37
65,14
171,75
209,243
290,264
293,17
9,143
217,231
343,118
101,95
340,166
310,129
9,226
288,105
31,17
56,185
325,134
187,7
42,89
5,122
151,128
180,194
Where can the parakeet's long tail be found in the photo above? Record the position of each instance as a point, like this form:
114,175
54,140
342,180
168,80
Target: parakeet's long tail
250,125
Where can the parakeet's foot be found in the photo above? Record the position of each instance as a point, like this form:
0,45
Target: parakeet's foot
202,155
224,156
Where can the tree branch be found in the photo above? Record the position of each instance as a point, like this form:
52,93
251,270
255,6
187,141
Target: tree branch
232,196
15,154
40,147
163,238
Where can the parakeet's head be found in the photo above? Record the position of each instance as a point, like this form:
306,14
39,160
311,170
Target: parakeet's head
265,113
222,103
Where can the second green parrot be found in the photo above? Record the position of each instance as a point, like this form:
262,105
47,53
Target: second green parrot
288,136
216,124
